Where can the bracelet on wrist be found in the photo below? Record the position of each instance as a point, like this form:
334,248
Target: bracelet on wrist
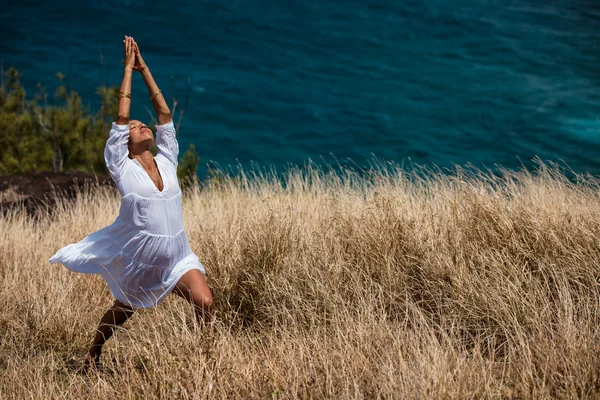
155,94
124,94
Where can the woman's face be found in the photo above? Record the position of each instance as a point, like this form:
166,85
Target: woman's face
139,133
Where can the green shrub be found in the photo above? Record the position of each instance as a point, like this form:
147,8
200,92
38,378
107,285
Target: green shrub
58,134
188,163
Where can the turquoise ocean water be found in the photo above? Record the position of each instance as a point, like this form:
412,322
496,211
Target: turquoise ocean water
275,83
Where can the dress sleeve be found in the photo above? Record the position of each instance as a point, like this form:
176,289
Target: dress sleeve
116,150
166,142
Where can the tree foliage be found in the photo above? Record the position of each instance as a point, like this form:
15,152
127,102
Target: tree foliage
188,163
57,133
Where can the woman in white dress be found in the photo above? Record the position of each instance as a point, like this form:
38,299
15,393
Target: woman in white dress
144,254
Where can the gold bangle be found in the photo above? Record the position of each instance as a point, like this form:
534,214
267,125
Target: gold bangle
124,94
155,94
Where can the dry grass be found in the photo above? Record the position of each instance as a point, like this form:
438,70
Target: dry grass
386,285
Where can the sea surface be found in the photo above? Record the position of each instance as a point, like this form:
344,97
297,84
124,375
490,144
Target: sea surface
279,83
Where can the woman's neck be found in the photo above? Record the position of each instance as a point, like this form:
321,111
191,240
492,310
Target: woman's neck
146,159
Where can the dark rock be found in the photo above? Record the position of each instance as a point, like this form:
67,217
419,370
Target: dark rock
37,191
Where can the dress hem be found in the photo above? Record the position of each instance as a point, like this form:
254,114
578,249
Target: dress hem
165,293
103,271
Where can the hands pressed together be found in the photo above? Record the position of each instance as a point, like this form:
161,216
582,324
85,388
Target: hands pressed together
134,62
133,57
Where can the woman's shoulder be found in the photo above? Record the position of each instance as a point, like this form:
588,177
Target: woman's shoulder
164,161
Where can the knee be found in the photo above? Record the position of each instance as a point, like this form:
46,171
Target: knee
203,300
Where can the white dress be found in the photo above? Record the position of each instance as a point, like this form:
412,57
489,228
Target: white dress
145,251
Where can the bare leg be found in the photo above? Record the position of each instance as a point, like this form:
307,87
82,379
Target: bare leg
192,286
112,319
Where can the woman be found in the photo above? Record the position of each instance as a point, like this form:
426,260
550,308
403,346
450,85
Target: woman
144,254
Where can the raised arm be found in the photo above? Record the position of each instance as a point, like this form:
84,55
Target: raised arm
158,101
125,94
115,149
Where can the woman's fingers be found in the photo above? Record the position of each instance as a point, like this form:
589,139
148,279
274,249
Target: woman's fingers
132,53
129,51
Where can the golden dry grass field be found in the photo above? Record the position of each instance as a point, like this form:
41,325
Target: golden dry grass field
381,285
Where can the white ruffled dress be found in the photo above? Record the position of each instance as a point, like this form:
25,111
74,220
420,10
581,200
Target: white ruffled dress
145,251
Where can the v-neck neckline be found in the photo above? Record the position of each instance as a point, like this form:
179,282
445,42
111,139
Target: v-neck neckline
150,178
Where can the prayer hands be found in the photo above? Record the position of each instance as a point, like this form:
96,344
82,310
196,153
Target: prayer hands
133,57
